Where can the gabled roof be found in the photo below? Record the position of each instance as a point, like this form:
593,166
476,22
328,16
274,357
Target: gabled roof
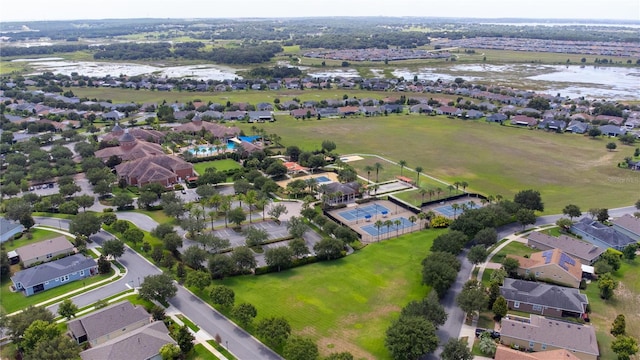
346,189
602,232
142,344
536,293
629,223
557,333
572,246
7,226
42,248
107,320
555,257
52,270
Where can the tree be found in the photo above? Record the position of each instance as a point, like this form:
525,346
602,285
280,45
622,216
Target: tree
472,297
429,308
477,254
410,337
255,236
122,200
274,330
37,331
297,227
619,325
157,287
487,344
184,338
629,251
243,258
199,279
18,323
594,132
170,352
194,256
603,215
60,347
244,313
529,199
402,164
607,284
299,348
5,266
377,167
572,211
279,257
564,224
328,146
418,171
172,241
147,198
624,346
133,235
486,237
104,266
222,295
113,247
237,216
328,248
611,146
439,270
67,309
298,247
340,356
85,201
69,207
613,259
85,224
220,266
456,349
510,265
277,210
526,217
452,242
500,308
69,189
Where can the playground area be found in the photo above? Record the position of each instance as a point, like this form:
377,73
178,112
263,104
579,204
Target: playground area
376,220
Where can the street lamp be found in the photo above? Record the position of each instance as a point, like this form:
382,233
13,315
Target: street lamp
227,342
357,214
138,281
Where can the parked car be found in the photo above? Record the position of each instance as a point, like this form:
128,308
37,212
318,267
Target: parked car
494,334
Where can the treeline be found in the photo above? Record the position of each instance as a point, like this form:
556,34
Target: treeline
41,50
275,72
567,33
359,40
247,54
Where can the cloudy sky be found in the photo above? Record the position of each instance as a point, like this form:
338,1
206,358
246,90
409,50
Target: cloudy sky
103,9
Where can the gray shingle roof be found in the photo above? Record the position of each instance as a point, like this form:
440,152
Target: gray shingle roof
574,247
42,248
51,270
602,232
553,296
107,320
629,223
140,344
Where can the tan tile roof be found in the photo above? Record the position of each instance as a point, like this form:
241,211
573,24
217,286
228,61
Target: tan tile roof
540,259
42,248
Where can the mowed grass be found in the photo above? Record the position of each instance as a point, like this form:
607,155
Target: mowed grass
492,159
37,235
513,248
625,301
219,165
347,304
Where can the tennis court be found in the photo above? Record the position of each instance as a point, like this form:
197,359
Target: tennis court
372,230
360,212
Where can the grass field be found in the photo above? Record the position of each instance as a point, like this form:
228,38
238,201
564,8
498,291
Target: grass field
514,248
220,165
347,304
38,235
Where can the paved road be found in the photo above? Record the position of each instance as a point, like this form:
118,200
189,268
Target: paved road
240,343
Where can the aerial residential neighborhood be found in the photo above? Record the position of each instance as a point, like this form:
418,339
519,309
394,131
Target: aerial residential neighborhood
321,195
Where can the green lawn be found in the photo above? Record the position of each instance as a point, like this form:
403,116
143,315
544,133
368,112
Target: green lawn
14,301
37,235
222,350
199,352
220,165
514,248
625,301
347,304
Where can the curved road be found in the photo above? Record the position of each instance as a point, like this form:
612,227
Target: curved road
240,343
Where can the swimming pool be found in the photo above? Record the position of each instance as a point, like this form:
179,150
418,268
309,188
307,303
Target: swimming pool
208,150
322,179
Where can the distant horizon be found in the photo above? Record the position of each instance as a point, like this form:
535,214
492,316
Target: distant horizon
548,10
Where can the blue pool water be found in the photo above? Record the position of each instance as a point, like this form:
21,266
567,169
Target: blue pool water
322,179
249,138
210,149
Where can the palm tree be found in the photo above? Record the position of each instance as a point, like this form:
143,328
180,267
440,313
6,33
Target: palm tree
464,185
388,224
455,208
402,164
378,224
397,223
422,192
418,170
431,193
377,166
456,184
471,204
450,188
251,198
499,198
422,216
413,219
368,169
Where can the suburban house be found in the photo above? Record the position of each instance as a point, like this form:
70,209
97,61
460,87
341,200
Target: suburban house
553,266
260,116
507,353
8,229
44,251
53,274
583,251
524,120
601,235
140,344
348,110
109,323
162,169
221,132
148,135
497,117
628,225
577,127
612,130
303,113
339,193
552,124
539,333
543,299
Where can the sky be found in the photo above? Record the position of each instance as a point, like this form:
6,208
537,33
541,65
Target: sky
37,10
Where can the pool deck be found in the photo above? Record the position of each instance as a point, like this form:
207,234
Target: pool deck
331,175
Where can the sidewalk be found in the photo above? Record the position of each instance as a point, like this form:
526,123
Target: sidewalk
201,336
